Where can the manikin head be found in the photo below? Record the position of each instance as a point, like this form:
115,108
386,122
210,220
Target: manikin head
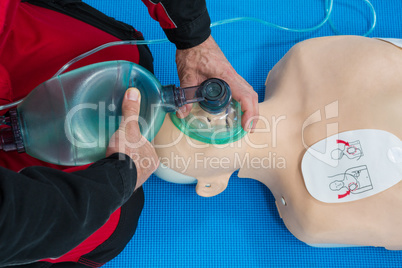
203,148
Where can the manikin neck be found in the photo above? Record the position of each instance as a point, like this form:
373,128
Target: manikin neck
264,156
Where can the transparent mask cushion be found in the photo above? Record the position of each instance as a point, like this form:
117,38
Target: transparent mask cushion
222,128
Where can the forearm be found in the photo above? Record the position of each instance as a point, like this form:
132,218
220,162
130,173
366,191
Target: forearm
45,212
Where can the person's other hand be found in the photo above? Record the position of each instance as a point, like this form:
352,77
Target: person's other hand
128,139
195,65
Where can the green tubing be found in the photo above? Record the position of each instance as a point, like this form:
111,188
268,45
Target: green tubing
328,11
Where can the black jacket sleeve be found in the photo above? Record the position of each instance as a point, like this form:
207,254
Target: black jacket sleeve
186,23
44,212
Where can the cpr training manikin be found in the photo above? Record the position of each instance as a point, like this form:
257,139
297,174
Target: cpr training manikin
327,143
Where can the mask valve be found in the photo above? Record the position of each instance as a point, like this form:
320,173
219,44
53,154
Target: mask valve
216,94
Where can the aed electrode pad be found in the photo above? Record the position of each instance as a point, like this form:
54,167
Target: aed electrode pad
395,41
352,165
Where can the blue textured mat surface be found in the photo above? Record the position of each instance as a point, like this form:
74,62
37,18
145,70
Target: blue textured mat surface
241,227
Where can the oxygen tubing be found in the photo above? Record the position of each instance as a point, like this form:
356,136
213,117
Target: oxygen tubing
328,11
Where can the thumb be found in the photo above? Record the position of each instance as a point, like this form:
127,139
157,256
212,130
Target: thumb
131,110
131,102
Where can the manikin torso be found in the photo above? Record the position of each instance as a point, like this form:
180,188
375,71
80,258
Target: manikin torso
320,87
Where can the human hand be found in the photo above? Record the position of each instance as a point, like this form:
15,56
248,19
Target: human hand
128,139
195,65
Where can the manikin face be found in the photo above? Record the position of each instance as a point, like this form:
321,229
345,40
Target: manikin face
186,160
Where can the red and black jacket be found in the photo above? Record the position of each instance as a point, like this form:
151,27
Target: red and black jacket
79,217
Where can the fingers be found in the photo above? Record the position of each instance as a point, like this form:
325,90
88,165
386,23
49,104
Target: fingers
187,80
206,60
248,99
250,112
184,111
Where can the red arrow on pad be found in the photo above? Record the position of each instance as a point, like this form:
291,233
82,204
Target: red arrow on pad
344,142
344,195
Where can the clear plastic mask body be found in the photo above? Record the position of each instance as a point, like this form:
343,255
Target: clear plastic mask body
213,128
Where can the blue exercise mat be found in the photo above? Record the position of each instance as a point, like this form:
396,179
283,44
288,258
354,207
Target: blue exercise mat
241,226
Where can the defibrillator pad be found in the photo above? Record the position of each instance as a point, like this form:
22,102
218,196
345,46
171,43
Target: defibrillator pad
397,42
352,165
